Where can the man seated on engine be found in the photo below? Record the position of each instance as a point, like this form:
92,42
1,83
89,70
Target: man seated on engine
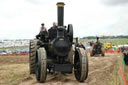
43,32
53,31
42,28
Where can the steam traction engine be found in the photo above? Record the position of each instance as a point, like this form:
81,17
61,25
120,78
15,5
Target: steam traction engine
53,50
97,48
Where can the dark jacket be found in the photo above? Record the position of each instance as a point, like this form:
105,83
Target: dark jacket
52,33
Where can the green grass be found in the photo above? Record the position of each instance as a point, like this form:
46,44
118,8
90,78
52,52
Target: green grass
116,80
13,79
114,41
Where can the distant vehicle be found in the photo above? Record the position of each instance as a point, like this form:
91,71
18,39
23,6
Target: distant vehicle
97,48
108,45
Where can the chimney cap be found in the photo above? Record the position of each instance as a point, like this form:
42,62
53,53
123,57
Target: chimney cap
60,4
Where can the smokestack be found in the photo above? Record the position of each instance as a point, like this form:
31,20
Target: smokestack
60,10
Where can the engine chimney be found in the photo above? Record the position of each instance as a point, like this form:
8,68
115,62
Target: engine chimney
60,10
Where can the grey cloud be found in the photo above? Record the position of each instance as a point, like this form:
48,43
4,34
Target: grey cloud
33,1
114,2
37,2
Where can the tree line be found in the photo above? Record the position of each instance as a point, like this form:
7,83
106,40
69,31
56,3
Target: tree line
106,37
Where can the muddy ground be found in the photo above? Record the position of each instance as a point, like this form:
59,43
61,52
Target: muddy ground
14,70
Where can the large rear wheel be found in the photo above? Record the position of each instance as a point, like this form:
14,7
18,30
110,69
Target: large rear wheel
41,65
81,64
32,55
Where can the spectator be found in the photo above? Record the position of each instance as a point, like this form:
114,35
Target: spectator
125,52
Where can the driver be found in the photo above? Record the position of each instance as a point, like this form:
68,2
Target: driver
53,31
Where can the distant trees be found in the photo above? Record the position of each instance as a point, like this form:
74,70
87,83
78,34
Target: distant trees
106,37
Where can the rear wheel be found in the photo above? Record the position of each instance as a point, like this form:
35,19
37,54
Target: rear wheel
91,52
41,65
102,51
81,64
32,55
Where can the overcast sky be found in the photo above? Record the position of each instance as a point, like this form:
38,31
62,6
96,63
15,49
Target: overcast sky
21,19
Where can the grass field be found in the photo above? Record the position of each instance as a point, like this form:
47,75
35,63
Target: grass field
114,41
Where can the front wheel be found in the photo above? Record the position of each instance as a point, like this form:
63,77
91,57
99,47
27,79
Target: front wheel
41,65
81,64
